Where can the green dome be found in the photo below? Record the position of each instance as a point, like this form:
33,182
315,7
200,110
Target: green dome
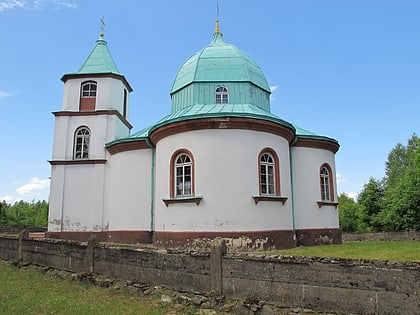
220,62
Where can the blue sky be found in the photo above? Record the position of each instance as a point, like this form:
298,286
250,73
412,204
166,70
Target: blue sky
347,69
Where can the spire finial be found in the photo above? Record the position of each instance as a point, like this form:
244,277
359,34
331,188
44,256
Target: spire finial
102,33
217,29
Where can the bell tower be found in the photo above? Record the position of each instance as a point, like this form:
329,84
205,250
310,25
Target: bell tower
94,112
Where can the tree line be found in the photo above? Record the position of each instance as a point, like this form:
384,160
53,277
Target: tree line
24,214
391,203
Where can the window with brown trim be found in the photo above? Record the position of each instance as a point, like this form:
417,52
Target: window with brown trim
269,177
182,174
81,143
88,95
326,183
269,173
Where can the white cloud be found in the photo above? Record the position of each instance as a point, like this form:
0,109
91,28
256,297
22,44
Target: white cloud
340,179
273,88
35,187
352,195
3,93
11,4
37,4
55,4
8,199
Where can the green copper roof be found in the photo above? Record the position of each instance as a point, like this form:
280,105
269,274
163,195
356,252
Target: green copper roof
219,62
221,110
206,111
99,60
303,133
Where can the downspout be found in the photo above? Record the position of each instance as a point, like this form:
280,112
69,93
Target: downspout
152,187
291,185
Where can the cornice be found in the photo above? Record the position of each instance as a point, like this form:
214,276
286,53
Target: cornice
128,146
94,113
77,162
318,144
243,123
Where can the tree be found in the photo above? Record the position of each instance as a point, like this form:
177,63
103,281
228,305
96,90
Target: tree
402,194
350,215
24,214
371,200
3,213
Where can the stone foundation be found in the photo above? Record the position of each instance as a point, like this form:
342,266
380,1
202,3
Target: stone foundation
235,241
311,237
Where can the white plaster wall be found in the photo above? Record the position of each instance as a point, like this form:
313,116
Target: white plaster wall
103,130
78,207
226,175
306,182
56,197
128,190
110,94
121,130
60,142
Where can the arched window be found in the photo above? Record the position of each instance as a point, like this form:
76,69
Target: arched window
269,173
89,89
326,183
88,95
221,94
182,183
81,143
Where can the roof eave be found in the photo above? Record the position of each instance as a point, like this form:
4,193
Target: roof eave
318,142
68,76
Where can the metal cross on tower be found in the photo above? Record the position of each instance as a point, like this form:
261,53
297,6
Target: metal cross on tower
102,27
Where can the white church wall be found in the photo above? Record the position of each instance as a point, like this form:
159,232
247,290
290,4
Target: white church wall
226,175
110,94
83,197
102,127
56,198
120,130
60,138
128,190
71,95
306,181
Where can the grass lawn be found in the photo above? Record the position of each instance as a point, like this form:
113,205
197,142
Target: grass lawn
28,291
382,250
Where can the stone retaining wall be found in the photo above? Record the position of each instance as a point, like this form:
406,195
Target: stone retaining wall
346,286
410,235
17,230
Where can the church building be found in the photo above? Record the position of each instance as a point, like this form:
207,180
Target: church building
219,165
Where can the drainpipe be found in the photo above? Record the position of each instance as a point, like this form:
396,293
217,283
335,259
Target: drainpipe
152,187
291,183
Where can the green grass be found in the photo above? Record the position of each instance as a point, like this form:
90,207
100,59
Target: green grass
28,291
382,250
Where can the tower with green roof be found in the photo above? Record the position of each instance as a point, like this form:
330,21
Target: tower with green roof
94,112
